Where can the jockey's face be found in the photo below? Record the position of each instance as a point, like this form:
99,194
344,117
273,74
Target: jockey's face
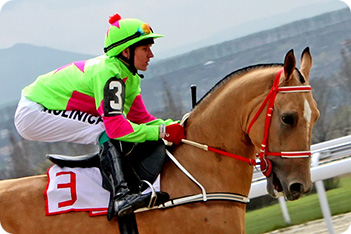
142,57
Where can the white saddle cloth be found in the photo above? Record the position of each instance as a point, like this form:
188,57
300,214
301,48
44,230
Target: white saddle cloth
78,189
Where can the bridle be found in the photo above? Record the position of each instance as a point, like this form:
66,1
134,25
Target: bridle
262,160
265,163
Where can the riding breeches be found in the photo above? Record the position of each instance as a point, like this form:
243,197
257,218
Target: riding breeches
35,122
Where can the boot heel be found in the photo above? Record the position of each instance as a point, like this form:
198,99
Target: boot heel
125,211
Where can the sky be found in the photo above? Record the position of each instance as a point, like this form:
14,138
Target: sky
80,25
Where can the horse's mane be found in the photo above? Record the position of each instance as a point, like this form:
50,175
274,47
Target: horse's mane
235,74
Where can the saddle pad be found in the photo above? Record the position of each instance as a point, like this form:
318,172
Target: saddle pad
78,189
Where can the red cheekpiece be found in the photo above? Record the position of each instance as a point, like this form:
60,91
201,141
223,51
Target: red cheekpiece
174,133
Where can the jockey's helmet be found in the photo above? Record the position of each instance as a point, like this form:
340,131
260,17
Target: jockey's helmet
126,32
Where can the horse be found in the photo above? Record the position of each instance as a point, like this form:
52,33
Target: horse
230,118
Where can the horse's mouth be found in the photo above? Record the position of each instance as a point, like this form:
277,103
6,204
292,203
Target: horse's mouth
276,183
274,186
276,189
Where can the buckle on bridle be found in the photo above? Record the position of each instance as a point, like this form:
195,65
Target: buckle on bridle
266,165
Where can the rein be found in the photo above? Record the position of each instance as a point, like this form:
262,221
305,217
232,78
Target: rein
263,161
202,197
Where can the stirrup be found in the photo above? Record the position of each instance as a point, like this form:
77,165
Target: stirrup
153,197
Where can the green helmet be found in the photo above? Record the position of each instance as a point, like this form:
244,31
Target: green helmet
124,33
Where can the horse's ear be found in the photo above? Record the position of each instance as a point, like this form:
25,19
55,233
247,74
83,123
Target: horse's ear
289,64
306,62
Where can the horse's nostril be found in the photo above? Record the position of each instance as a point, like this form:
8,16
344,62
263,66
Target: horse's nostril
296,189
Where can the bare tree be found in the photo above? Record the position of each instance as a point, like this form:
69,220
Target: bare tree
341,123
333,98
321,93
173,102
20,160
346,66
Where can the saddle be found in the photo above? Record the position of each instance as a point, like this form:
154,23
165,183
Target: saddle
83,161
146,159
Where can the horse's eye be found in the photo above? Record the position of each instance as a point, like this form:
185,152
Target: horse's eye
289,119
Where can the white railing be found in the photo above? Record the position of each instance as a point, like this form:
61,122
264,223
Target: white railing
329,159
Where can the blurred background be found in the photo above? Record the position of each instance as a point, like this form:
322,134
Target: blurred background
204,41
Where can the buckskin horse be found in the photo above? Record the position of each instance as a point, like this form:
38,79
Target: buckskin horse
265,111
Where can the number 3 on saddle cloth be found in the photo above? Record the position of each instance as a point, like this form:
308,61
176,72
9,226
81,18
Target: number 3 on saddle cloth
76,184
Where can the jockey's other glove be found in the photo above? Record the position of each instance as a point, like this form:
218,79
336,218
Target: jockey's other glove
172,133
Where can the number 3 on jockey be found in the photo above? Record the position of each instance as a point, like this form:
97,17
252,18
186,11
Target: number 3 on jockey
114,96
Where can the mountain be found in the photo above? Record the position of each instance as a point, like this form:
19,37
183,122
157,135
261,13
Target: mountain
327,30
251,27
324,34
22,63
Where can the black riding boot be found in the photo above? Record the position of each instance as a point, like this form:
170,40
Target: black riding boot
122,200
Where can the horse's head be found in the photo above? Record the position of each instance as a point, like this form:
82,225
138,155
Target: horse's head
290,130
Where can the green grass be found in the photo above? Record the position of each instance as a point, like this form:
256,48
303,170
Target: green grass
303,210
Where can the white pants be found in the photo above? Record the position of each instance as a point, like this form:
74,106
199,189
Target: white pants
36,123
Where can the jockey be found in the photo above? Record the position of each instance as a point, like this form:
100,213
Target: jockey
98,101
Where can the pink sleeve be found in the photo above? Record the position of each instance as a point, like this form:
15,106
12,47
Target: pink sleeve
138,113
116,126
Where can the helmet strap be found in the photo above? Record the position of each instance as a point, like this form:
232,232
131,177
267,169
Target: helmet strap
129,61
132,68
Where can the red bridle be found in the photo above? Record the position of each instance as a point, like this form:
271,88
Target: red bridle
264,162
266,165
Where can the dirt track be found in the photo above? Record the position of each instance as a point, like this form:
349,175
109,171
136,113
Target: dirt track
341,224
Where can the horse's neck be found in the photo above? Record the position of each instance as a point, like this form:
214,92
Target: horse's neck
222,119
217,122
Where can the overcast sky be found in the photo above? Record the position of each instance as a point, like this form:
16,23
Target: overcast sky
80,25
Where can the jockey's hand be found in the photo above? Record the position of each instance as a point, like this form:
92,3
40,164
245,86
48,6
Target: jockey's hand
173,133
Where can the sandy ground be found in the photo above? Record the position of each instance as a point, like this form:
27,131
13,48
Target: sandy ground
342,224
